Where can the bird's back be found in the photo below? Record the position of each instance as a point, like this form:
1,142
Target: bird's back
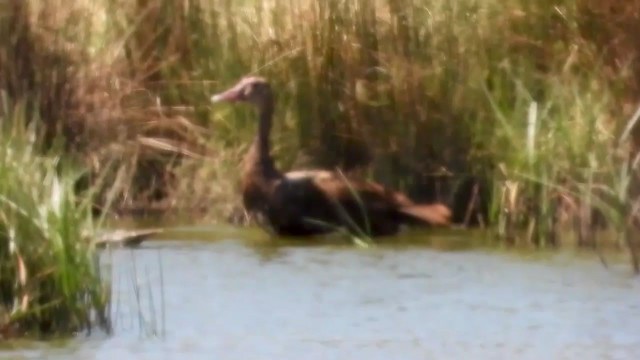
317,201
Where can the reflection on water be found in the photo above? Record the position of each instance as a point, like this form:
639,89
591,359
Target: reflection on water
227,300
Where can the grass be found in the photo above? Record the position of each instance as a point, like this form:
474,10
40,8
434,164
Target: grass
48,274
531,98
536,99
72,67
435,93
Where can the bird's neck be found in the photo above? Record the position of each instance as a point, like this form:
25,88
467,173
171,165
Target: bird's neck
259,160
262,140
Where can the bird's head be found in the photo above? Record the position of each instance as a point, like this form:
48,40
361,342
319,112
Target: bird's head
253,89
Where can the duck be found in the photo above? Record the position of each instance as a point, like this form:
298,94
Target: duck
319,201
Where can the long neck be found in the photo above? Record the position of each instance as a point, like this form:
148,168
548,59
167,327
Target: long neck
259,160
262,141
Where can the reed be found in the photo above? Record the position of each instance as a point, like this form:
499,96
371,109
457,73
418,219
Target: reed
73,67
48,274
433,92
429,85
531,97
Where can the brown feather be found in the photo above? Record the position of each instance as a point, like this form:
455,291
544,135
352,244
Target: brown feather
433,214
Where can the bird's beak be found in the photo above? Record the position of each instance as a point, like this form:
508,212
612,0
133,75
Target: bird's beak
232,95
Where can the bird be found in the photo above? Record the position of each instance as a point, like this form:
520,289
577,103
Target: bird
313,202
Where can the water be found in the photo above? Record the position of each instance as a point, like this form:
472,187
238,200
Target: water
228,300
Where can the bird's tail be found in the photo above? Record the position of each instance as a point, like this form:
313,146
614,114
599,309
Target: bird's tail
432,214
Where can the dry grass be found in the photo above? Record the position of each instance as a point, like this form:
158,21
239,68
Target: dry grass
76,79
533,97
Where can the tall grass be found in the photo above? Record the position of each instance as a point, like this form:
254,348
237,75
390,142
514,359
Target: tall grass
527,95
70,63
531,97
429,87
49,278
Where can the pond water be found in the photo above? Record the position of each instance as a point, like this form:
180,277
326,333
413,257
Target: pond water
233,299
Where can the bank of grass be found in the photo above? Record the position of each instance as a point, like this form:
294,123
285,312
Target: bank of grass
49,280
533,98
530,96
72,66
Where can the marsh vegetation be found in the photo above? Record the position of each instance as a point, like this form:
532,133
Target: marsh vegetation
521,115
48,276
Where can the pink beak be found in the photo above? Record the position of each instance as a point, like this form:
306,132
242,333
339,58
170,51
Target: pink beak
232,95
